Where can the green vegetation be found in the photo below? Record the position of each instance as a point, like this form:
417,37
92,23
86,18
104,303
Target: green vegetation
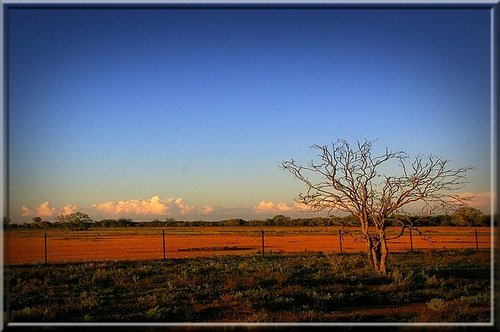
468,216
80,221
421,286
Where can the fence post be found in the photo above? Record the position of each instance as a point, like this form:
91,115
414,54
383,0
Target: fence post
45,248
164,246
477,244
411,241
340,241
262,243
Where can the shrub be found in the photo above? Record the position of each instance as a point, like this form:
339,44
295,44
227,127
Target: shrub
100,275
88,300
432,281
481,299
155,313
437,305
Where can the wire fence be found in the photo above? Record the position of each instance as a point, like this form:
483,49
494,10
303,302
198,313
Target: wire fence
60,246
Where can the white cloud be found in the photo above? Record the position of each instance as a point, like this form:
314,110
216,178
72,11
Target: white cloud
301,207
283,207
26,212
152,206
44,210
183,207
264,206
207,209
68,209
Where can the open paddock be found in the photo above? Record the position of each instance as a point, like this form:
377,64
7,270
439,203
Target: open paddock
28,246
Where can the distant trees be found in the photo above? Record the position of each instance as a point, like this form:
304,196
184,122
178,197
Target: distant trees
278,220
38,222
231,222
351,179
75,221
468,216
281,220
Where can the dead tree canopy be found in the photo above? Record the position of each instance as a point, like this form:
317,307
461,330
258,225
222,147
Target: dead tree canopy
376,187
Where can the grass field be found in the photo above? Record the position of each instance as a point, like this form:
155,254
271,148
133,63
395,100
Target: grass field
422,286
184,242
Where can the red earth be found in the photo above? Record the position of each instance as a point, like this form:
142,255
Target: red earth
29,246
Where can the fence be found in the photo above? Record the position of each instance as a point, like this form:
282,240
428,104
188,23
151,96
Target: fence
56,246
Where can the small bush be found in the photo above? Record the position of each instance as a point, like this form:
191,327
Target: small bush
100,275
437,305
155,313
481,299
432,281
88,300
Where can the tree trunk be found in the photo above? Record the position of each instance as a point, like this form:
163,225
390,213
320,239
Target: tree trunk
376,246
383,253
369,251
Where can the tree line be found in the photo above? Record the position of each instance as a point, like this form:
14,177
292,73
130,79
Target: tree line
465,216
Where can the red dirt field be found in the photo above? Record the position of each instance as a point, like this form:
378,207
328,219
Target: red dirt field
181,242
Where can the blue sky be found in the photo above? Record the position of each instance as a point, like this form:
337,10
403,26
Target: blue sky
156,113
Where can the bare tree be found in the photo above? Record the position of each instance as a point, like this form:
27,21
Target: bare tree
352,180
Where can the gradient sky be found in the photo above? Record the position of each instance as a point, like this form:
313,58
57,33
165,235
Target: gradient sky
187,113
